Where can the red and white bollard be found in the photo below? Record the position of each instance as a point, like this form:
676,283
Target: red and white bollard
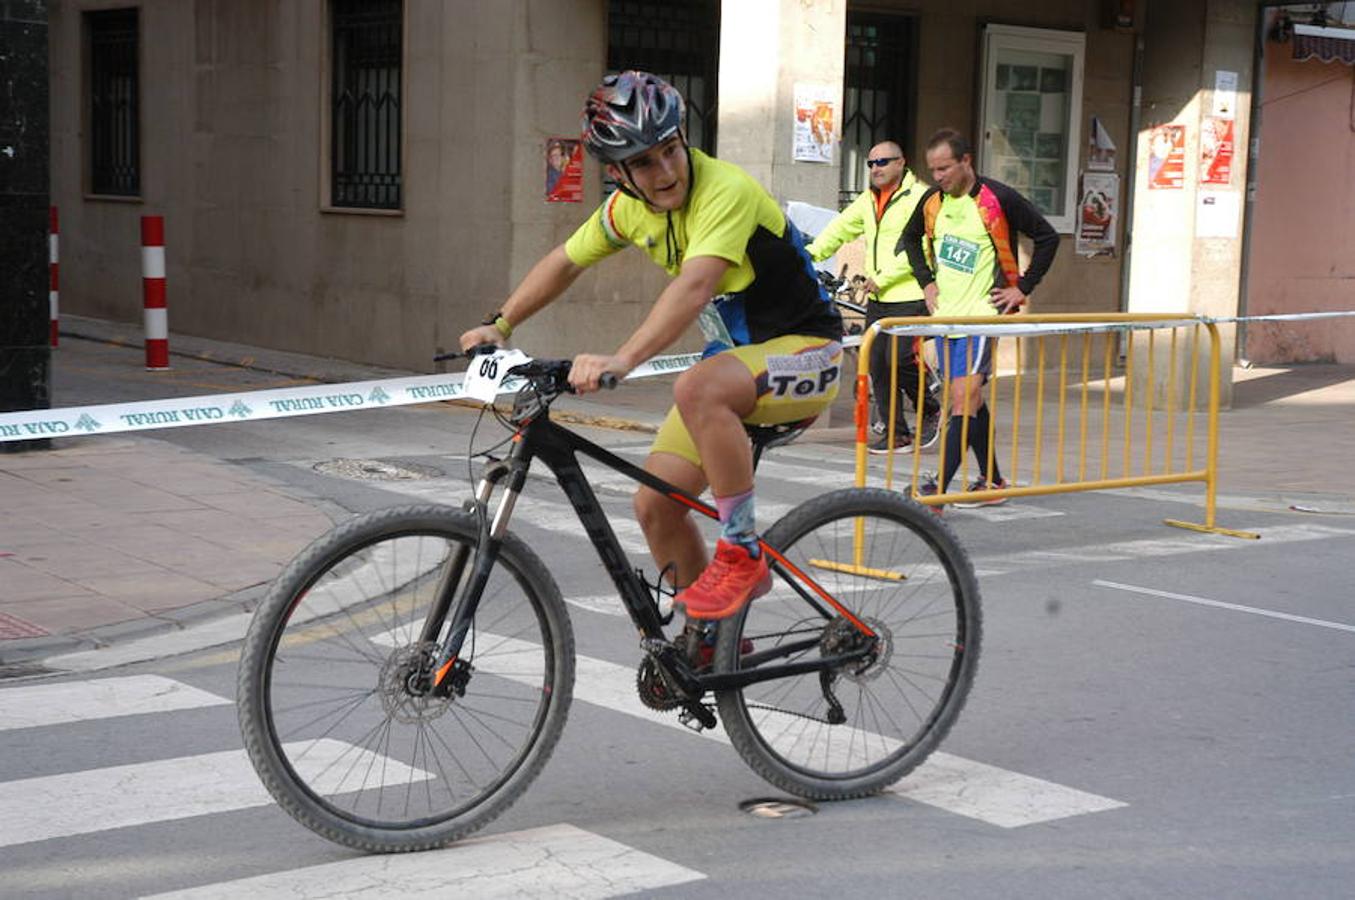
153,284
53,289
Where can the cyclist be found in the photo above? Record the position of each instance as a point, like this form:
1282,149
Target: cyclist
880,213
740,271
961,242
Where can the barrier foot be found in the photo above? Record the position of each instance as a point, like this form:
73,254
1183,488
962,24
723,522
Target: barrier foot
863,571
1208,529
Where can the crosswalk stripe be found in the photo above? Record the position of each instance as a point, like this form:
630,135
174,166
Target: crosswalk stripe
996,796
547,514
961,786
554,861
1173,545
54,806
106,698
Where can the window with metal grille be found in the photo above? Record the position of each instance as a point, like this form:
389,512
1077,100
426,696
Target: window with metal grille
879,92
367,54
678,40
114,103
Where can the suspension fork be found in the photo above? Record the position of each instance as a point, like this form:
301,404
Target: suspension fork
514,470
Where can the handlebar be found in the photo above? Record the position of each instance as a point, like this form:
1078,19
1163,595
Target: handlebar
554,369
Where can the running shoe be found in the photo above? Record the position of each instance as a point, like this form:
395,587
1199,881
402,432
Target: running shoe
982,484
881,444
732,579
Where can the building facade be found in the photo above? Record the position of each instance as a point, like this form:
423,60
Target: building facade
1301,256
365,179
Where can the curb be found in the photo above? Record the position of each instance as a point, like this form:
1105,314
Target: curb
25,656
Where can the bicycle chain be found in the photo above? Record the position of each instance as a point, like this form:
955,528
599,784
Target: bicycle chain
777,709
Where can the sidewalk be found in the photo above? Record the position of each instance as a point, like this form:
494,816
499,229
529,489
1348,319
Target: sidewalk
112,538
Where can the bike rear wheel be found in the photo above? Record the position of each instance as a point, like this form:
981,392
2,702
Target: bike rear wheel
334,719
895,566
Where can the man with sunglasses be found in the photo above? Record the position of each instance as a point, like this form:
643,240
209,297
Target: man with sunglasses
740,272
880,214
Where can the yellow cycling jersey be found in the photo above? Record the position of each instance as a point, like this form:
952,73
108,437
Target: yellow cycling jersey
768,290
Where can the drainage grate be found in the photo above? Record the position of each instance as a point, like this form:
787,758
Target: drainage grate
778,808
377,470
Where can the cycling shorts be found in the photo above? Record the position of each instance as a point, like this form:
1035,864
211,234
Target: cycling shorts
957,357
797,378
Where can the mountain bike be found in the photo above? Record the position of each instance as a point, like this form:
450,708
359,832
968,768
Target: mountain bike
408,675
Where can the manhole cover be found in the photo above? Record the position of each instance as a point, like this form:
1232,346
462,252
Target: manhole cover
376,470
776,808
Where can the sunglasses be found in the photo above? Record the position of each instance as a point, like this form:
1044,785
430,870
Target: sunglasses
881,162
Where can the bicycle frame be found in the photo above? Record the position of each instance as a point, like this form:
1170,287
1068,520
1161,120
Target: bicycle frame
558,448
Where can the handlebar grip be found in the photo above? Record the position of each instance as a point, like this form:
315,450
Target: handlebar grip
608,380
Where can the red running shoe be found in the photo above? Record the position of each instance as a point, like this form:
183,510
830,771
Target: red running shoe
731,580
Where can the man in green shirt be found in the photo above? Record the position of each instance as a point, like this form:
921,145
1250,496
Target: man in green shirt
740,272
880,214
961,242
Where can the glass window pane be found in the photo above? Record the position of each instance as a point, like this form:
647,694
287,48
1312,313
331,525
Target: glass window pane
1028,125
1030,109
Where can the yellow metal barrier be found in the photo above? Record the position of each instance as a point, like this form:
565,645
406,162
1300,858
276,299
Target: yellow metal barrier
1165,463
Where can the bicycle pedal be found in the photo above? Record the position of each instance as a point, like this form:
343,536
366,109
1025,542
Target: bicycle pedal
697,717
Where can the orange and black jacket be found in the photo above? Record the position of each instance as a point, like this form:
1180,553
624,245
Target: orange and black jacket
1005,213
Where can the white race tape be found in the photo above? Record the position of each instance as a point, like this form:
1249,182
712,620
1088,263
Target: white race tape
215,408
1040,328
1020,330
212,409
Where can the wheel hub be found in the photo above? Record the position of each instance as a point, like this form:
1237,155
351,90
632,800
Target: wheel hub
405,685
841,637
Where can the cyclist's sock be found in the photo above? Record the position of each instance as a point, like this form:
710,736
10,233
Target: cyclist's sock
954,449
978,440
737,520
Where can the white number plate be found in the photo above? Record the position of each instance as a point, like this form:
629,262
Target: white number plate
486,374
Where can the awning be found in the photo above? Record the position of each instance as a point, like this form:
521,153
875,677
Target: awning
1324,44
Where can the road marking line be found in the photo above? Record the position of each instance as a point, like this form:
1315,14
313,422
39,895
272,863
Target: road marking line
957,785
106,698
55,806
1219,604
1034,559
996,796
554,861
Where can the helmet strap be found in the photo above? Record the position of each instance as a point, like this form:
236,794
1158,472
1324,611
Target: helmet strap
630,189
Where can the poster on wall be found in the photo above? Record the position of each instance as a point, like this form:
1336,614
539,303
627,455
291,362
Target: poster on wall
1225,93
1167,157
564,170
815,122
1100,148
1216,150
1096,214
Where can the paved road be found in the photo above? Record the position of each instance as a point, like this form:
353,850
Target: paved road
1157,713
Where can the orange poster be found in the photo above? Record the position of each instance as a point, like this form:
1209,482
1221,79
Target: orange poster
1167,157
1216,151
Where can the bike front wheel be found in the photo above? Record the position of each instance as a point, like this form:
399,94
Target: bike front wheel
335,718
854,729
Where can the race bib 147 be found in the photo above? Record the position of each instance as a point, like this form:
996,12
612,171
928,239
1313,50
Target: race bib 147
958,254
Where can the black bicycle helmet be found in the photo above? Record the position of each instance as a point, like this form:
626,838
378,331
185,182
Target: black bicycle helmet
629,113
